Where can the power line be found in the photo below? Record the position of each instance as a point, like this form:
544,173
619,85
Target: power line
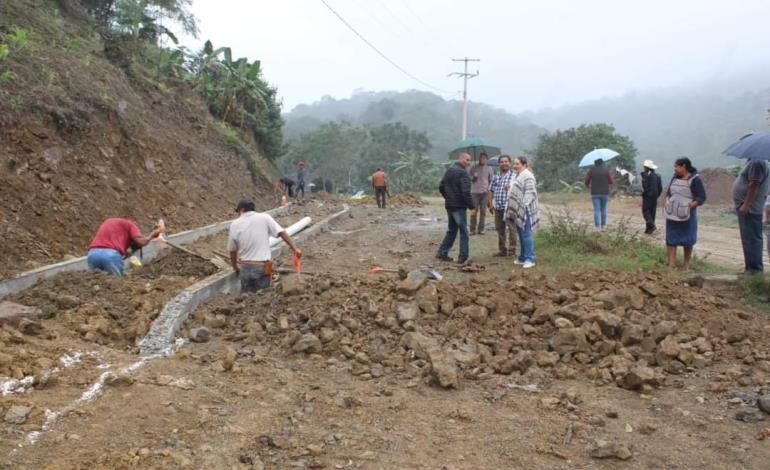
380,53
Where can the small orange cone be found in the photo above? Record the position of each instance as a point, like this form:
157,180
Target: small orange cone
283,200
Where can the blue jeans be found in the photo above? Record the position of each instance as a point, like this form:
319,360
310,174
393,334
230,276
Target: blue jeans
458,221
253,278
600,209
526,241
105,259
750,226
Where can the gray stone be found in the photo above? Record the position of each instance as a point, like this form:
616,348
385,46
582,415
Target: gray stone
307,343
632,334
546,358
475,312
427,298
292,284
11,312
418,343
569,340
663,329
466,358
414,280
443,370
610,450
561,323
668,349
407,311
199,335
29,327
17,414
66,301
763,403
637,377
542,314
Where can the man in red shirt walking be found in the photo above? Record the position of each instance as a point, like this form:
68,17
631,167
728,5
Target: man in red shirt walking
111,243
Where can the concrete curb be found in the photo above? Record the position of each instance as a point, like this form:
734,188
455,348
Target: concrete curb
27,279
165,328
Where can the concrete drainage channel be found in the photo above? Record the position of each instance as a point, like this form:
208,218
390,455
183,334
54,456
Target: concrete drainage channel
161,340
27,279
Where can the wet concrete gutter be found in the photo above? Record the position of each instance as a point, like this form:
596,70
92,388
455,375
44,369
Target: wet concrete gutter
27,279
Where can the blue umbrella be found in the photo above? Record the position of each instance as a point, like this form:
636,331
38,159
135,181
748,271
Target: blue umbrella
589,158
753,146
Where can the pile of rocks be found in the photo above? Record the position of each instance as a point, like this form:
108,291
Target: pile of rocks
634,330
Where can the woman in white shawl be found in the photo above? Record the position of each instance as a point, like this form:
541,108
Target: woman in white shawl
523,211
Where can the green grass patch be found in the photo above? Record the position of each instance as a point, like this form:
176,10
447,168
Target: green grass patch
755,291
569,244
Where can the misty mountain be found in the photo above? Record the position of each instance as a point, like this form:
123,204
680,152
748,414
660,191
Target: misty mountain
421,111
699,122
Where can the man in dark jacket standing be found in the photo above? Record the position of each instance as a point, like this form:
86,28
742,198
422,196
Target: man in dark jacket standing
456,188
651,191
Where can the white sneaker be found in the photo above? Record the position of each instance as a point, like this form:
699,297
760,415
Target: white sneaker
528,264
518,262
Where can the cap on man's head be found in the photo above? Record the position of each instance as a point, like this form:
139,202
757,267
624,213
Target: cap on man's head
247,205
650,164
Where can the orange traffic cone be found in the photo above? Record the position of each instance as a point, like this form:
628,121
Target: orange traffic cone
283,200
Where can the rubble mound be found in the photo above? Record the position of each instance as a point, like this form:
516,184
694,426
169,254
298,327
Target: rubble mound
407,199
636,330
719,185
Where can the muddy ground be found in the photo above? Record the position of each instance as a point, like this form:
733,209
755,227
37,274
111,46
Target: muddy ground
483,370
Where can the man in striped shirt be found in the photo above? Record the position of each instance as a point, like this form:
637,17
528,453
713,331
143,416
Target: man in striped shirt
498,200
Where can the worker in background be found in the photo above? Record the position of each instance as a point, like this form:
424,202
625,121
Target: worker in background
249,246
301,179
112,241
652,188
599,179
750,191
286,185
481,175
380,185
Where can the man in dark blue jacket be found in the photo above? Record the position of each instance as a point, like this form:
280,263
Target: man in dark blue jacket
456,188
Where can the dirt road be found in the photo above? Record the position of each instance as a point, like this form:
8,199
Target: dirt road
336,375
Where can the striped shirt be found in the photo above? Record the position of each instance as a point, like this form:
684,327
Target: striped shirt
498,186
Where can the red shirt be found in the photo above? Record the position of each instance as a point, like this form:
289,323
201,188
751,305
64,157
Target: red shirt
115,233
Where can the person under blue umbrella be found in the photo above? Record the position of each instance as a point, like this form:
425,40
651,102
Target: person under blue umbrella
599,179
750,191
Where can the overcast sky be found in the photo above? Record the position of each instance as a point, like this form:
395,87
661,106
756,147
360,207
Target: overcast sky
533,54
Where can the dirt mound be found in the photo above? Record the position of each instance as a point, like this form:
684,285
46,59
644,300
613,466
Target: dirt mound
81,143
635,330
719,185
177,263
95,307
407,199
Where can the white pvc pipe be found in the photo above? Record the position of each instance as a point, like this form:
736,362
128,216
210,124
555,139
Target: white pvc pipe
292,230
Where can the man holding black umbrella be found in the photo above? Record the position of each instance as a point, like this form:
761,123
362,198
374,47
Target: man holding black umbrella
750,191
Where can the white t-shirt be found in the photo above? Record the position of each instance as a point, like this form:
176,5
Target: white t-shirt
250,236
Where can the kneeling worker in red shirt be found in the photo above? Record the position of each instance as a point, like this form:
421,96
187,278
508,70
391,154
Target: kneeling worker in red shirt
111,243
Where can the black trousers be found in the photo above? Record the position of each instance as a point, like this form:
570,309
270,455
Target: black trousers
649,207
381,193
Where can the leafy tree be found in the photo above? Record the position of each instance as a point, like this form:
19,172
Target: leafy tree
415,173
557,155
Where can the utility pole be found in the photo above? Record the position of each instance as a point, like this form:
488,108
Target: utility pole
465,76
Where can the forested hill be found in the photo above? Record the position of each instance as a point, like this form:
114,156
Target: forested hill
699,121
421,111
